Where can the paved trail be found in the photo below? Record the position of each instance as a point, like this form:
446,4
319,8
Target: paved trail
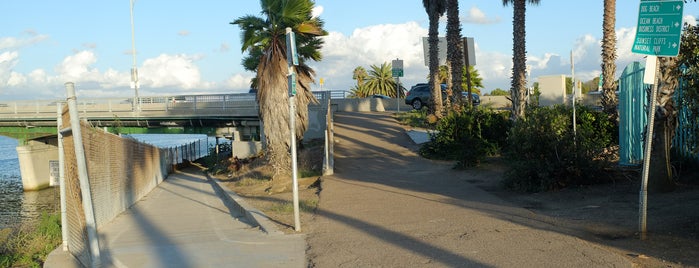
387,207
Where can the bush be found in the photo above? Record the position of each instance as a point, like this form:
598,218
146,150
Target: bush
545,154
467,136
29,245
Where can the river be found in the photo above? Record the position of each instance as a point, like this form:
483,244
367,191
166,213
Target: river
17,206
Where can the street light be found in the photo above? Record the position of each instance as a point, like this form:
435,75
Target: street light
134,69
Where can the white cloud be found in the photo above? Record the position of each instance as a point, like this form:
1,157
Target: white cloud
477,16
239,82
317,11
171,71
372,45
16,43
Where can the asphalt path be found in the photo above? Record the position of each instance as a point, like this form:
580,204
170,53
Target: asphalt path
387,207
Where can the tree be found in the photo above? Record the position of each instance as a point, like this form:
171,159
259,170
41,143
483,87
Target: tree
380,80
435,9
499,92
518,89
454,51
263,38
609,99
476,79
360,75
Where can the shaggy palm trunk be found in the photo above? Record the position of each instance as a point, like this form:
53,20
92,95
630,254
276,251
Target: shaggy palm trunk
609,99
433,40
519,60
274,107
660,178
454,52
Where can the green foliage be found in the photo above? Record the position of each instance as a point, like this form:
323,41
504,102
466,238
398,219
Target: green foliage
476,79
29,245
689,60
414,118
545,154
467,136
500,92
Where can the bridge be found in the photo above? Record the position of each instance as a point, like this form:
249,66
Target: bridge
200,114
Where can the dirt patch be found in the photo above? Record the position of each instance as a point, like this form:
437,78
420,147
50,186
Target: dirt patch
251,178
608,214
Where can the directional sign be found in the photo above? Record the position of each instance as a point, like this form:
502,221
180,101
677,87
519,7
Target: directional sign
659,28
397,68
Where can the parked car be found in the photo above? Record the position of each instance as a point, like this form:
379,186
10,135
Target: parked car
475,98
420,95
380,96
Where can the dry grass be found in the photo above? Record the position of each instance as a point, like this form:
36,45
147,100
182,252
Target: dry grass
252,179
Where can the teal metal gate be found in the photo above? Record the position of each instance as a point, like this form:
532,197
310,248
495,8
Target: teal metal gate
633,99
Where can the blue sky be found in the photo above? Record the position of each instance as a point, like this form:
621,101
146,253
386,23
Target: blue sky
189,47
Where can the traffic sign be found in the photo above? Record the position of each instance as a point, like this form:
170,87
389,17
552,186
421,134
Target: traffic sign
397,68
659,28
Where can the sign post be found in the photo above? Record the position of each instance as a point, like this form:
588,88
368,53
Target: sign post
293,59
397,72
659,32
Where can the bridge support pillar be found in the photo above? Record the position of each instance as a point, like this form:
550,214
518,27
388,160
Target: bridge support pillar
35,160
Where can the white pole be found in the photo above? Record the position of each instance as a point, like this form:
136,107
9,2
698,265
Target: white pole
292,123
134,69
643,196
61,175
90,224
572,66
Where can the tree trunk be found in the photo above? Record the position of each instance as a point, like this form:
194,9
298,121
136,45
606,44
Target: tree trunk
609,99
454,53
660,177
433,40
519,60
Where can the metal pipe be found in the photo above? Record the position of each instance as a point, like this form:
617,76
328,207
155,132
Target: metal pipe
90,222
61,176
643,195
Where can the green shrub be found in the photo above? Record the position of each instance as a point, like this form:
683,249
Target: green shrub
467,136
544,152
28,245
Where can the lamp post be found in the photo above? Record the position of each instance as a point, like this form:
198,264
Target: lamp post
134,69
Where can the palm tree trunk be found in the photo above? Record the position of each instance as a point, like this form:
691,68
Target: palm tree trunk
433,40
454,52
609,99
519,60
660,177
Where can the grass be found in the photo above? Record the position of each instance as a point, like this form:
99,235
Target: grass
28,245
414,118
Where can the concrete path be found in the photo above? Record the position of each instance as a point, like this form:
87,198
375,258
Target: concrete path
387,207
184,223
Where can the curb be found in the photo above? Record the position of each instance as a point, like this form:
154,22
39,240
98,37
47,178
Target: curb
237,203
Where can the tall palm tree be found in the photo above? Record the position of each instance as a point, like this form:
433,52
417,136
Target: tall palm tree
454,50
360,75
435,9
380,80
476,79
609,100
518,88
263,38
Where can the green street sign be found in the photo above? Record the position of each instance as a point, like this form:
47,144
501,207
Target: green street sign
659,28
397,72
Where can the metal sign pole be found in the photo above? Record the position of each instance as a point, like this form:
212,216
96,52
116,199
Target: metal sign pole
292,60
643,195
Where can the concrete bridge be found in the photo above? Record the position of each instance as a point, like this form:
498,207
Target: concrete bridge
204,114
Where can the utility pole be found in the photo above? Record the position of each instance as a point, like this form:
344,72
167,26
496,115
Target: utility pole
134,69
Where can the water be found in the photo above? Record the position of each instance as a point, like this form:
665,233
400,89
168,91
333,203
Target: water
17,206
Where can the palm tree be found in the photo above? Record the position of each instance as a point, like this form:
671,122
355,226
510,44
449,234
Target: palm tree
609,100
454,49
360,75
435,9
264,41
518,89
380,80
660,177
476,79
